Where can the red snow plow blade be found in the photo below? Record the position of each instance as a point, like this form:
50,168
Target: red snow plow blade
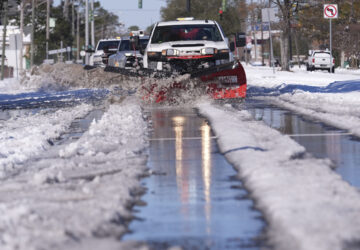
227,81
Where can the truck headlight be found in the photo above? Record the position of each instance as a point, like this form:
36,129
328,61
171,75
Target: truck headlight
154,55
170,52
207,51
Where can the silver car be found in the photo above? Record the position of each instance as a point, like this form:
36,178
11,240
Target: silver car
126,57
110,44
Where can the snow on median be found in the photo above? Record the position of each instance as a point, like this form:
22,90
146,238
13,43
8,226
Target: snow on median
28,135
306,204
78,195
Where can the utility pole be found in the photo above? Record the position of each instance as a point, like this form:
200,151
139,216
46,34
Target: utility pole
78,33
92,25
47,28
188,6
254,20
73,18
21,34
32,33
4,40
271,63
87,30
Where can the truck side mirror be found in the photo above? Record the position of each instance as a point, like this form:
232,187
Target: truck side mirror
90,51
142,49
134,42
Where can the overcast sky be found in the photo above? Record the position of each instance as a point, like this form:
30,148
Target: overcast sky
128,11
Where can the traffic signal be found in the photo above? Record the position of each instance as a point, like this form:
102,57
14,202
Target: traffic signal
140,4
220,13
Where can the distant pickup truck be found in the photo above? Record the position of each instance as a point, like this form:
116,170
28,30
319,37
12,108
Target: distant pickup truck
321,60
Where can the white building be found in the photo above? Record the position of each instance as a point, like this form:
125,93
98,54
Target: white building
12,55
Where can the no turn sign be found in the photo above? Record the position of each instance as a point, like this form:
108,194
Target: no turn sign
331,11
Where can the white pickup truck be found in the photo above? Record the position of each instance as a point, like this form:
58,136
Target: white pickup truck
186,44
320,60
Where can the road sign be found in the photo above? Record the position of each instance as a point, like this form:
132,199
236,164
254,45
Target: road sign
269,15
15,41
56,51
331,11
52,22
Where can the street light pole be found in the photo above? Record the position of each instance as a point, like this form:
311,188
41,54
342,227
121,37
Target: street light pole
87,30
92,25
47,28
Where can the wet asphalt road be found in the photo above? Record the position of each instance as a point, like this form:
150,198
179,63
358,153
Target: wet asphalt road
195,201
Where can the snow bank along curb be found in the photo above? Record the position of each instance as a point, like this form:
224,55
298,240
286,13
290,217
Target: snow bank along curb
331,98
78,196
307,205
341,114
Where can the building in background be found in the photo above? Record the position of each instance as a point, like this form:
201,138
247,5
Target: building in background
13,47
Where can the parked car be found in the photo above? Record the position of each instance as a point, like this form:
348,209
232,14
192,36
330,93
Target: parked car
109,45
129,54
320,60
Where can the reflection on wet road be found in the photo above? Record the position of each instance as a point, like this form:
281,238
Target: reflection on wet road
320,140
194,201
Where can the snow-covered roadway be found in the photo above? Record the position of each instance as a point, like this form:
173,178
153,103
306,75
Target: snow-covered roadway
61,197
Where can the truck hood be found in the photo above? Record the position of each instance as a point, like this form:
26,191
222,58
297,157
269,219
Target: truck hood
188,45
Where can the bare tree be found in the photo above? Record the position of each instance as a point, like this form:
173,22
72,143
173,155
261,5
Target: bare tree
285,15
66,9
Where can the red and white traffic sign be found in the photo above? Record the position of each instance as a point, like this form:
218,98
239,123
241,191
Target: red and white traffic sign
331,11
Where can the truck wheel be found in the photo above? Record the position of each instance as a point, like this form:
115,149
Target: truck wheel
333,70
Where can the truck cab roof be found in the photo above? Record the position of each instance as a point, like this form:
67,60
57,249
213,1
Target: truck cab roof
186,22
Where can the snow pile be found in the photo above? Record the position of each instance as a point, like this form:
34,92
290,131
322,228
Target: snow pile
25,136
175,90
306,204
78,195
62,76
264,77
12,86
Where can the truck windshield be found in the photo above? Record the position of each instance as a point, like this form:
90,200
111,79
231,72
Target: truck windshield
186,32
125,44
322,54
111,45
